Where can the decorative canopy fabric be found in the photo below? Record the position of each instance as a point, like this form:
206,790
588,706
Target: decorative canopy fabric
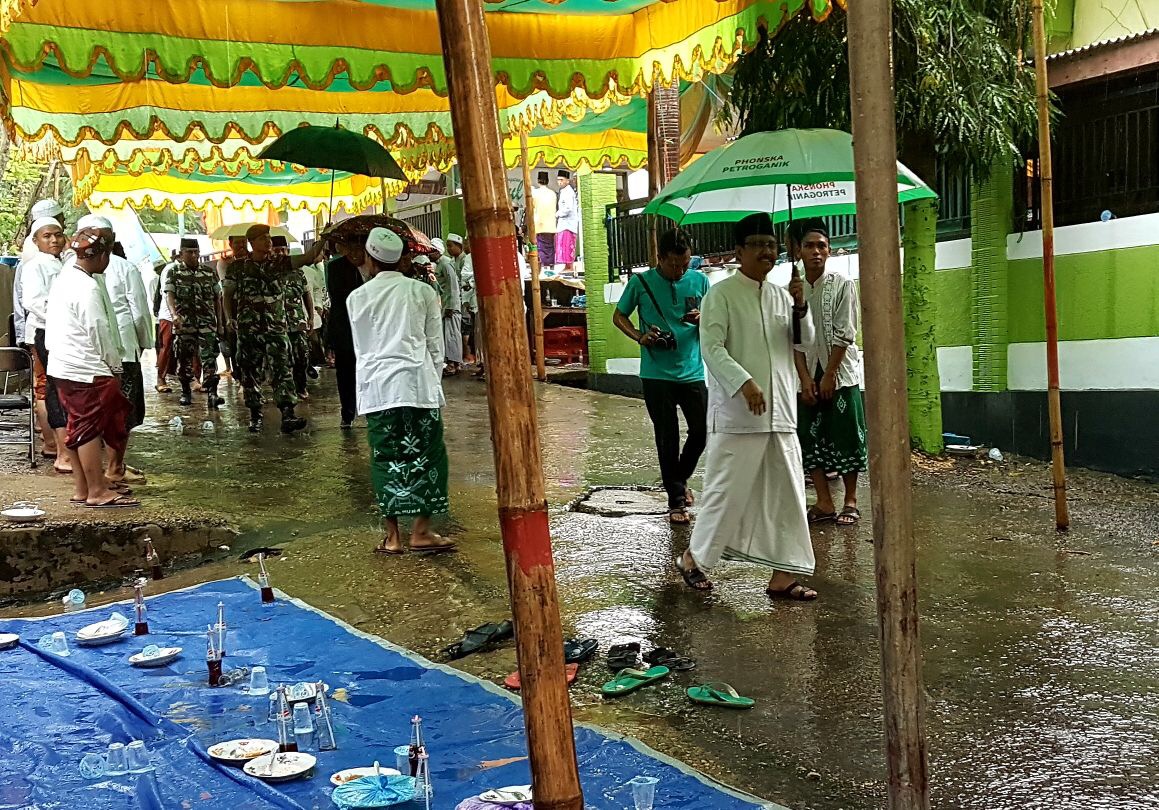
552,45
242,185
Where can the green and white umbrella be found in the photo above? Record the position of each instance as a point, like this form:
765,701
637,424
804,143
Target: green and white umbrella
790,173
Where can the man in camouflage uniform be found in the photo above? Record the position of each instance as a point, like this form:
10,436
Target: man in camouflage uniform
299,302
194,296
255,305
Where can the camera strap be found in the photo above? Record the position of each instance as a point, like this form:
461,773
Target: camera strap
656,304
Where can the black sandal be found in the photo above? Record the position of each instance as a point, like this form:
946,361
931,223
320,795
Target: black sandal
849,516
576,651
624,656
795,592
694,578
815,515
482,637
664,657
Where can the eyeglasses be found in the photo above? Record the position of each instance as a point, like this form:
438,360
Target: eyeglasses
761,244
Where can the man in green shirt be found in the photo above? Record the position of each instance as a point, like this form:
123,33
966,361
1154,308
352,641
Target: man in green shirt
671,370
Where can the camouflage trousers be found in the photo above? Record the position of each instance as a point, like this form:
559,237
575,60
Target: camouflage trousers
264,358
299,358
202,346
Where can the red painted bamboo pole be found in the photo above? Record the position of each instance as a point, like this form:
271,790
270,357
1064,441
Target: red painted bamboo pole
511,402
1046,184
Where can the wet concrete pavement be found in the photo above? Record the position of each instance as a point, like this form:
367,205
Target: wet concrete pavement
1040,650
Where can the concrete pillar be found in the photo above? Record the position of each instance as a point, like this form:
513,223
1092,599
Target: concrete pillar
596,191
991,216
454,220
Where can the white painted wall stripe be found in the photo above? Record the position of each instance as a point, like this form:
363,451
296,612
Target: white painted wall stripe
1089,237
956,367
1121,364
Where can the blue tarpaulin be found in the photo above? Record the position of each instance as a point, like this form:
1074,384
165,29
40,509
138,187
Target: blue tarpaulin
56,710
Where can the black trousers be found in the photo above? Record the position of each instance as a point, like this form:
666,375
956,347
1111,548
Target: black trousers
344,364
662,398
57,416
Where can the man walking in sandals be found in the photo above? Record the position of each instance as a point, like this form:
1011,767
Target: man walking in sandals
753,507
831,424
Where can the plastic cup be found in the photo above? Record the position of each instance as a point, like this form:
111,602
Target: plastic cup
116,762
74,600
119,618
644,791
259,681
152,651
60,644
92,766
402,759
137,757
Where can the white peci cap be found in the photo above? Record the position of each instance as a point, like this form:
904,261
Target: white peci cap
46,208
455,238
384,245
420,260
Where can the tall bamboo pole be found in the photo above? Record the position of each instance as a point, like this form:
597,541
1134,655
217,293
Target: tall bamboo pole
1046,184
511,401
533,261
875,154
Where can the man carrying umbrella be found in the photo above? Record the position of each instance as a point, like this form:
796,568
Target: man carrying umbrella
255,307
753,505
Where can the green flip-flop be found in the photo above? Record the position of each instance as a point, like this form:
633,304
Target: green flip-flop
719,694
629,680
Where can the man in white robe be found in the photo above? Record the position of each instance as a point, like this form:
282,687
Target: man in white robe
753,506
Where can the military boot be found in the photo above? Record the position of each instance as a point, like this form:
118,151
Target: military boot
256,421
186,394
290,422
212,400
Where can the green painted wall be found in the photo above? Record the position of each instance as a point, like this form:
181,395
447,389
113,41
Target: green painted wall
596,191
952,299
1112,294
1099,20
991,208
454,217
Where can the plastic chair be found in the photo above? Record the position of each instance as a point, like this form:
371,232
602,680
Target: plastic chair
18,361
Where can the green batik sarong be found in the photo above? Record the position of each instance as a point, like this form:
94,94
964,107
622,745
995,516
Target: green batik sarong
408,464
833,433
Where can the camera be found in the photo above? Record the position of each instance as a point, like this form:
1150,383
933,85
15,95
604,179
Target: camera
664,340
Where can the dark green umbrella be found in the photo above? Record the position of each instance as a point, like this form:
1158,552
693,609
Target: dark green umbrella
334,148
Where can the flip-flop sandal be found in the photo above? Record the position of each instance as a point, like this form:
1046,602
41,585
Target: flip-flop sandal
576,651
119,502
629,680
662,656
623,656
121,487
689,497
390,552
815,515
78,501
446,547
59,471
133,476
678,516
719,694
693,577
795,592
514,683
48,455
849,516
163,389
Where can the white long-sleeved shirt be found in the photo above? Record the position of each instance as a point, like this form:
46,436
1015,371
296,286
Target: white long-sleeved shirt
126,291
317,278
567,213
449,284
746,333
467,279
80,335
833,310
397,327
164,313
37,274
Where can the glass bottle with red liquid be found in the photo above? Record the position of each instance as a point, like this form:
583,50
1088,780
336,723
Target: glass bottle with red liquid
142,626
154,560
212,659
264,581
287,743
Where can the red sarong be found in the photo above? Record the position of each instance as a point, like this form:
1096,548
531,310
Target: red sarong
564,247
96,410
166,359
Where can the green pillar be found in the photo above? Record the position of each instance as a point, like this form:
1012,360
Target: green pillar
454,217
921,314
991,217
596,192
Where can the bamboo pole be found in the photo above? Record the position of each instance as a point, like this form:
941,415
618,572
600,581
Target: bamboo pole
875,155
533,260
511,402
1046,184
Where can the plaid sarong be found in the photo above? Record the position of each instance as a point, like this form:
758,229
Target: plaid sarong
408,465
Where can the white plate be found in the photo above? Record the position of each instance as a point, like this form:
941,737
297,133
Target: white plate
350,774
8,640
105,632
23,514
303,692
963,449
165,655
508,796
285,766
238,752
